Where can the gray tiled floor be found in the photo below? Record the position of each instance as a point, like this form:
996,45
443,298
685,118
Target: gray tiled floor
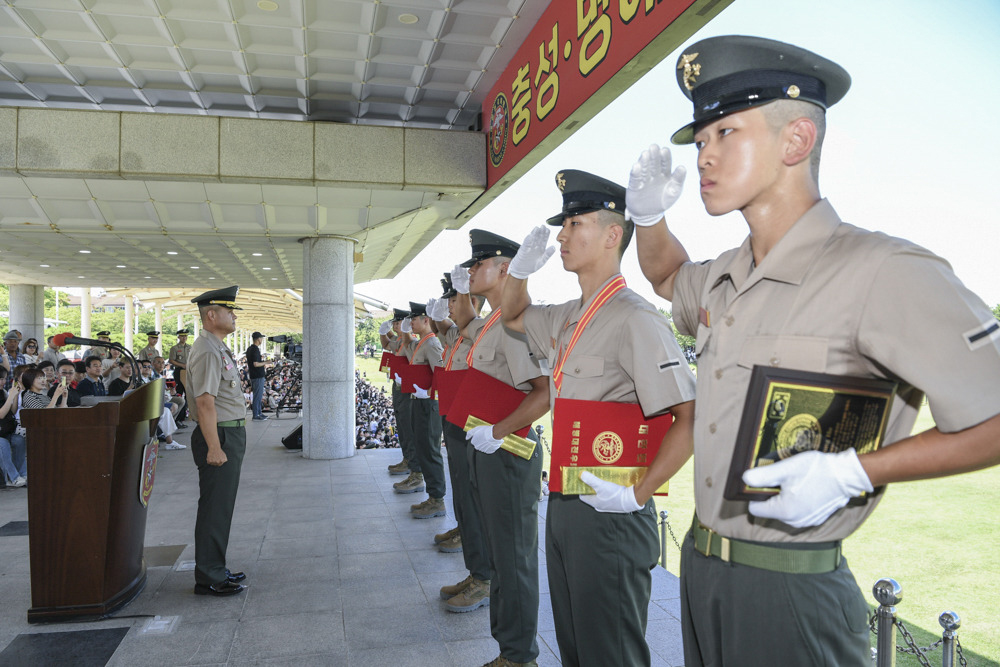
339,573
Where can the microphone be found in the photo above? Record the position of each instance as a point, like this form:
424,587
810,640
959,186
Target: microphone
70,339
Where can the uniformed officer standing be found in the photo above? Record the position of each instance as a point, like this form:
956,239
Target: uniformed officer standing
98,351
610,345
425,423
219,441
810,292
507,486
472,592
397,341
149,352
178,357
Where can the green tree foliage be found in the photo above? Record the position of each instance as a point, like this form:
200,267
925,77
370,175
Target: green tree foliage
366,333
996,311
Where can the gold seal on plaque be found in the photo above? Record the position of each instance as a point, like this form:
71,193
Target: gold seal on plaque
608,447
801,433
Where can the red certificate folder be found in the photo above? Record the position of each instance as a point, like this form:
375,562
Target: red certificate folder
614,441
416,374
446,384
383,364
485,397
397,362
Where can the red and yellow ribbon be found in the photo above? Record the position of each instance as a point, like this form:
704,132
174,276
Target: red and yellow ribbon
608,291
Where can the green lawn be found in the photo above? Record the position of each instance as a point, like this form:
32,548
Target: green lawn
936,538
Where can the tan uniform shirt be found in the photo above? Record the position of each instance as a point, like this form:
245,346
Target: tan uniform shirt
429,353
503,355
179,353
212,370
148,353
452,337
830,298
626,354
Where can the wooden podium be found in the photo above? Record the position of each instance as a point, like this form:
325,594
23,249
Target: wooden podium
86,519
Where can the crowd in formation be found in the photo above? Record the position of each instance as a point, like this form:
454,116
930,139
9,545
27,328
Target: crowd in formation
806,292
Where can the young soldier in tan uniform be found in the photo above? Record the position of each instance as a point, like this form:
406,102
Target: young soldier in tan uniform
149,352
219,441
101,352
425,423
507,486
178,358
600,548
805,291
472,592
398,342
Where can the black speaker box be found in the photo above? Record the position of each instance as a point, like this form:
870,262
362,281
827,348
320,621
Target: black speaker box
294,439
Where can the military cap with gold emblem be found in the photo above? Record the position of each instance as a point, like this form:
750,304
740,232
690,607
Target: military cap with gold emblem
448,290
105,334
723,75
487,244
182,332
219,297
583,192
418,309
152,334
398,315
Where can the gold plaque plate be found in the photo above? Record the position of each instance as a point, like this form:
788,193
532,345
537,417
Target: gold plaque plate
626,476
514,444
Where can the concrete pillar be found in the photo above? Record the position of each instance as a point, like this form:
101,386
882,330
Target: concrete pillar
180,322
27,312
195,326
86,308
129,321
159,327
328,333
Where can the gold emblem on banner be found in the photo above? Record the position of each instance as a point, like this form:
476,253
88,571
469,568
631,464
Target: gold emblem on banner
608,447
691,71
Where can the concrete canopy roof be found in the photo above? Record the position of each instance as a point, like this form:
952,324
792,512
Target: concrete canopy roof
95,190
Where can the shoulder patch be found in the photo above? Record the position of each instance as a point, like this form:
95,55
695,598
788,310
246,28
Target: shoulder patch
982,334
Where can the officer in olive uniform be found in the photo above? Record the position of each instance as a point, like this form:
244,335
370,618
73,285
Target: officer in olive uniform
219,442
507,486
97,351
149,352
600,548
805,291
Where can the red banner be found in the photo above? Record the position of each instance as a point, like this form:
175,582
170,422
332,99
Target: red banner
575,48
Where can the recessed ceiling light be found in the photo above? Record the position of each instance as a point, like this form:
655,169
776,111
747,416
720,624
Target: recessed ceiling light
257,254
148,277
273,278
44,266
81,276
195,267
408,19
211,277
84,252
120,266
267,268
171,252
267,5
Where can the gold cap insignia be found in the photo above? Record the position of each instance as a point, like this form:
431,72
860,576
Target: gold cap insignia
611,205
793,91
691,71
560,182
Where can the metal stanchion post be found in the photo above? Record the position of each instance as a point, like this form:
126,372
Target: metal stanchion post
888,593
950,621
663,538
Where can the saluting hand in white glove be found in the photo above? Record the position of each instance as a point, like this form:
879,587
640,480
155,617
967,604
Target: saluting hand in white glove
533,253
652,187
610,497
460,279
385,327
399,380
439,310
814,485
481,437
406,326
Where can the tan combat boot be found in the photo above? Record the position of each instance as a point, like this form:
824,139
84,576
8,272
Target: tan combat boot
475,595
501,661
451,546
448,592
412,484
433,507
401,468
414,508
446,535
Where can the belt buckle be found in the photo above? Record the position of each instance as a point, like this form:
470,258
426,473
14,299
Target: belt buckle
708,539
724,544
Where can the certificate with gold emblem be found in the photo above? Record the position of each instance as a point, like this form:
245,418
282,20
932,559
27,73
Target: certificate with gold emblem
614,441
788,412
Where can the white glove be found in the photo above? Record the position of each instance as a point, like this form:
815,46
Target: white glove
406,326
481,437
814,485
420,393
460,279
439,310
533,253
430,305
610,497
399,380
652,188
385,328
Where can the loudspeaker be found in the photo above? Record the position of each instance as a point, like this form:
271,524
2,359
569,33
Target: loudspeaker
294,439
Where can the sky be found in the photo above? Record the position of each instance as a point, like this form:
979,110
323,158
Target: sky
912,150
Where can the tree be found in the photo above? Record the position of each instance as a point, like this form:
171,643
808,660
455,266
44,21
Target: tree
996,311
366,333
